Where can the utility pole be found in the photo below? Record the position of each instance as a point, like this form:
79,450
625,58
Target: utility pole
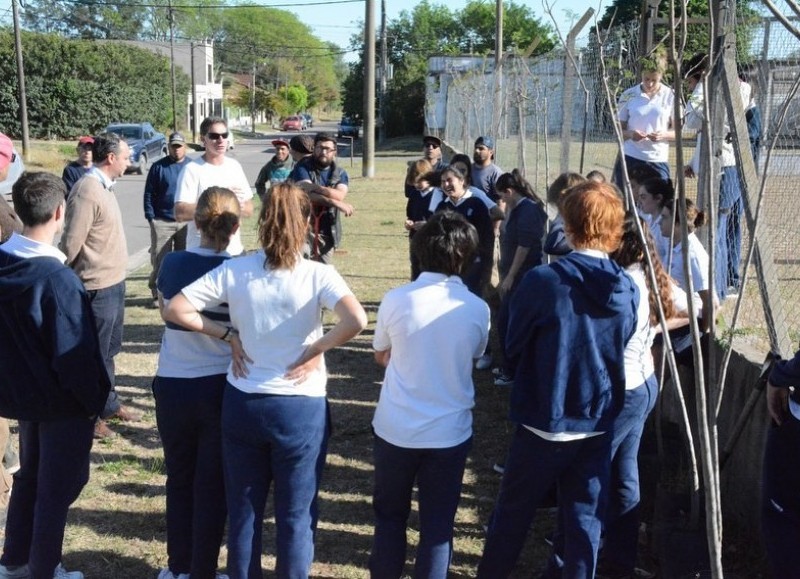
253,101
498,71
194,96
172,65
384,76
23,107
368,154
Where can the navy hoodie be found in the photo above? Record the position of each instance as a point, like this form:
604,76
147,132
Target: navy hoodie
568,325
50,364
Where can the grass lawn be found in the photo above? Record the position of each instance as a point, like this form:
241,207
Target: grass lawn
117,526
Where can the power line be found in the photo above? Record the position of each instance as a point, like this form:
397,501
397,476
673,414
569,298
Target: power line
206,6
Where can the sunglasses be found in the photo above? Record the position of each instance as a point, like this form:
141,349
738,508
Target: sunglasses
217,136
432,145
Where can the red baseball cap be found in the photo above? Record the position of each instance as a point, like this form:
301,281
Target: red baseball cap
86,141
277,142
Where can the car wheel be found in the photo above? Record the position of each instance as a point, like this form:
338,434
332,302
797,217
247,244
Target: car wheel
142,164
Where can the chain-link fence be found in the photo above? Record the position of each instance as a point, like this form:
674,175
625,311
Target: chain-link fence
529,105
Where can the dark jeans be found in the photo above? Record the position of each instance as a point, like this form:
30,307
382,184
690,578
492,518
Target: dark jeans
272,439
735,244
54,458
534,465
728,242
189,418
617,177
108,307
780,501
438,473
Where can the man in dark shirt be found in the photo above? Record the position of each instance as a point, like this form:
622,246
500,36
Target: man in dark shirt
166,234
81,166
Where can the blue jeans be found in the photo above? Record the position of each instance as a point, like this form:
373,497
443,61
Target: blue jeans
617,177
621,523
270,439
581,470
780,502
438,473
728,242
189,418
54,459
108,307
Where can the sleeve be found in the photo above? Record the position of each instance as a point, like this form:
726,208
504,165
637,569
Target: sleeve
694,109
556,241
381,340
66,177
188,190
483,197
332,287
344,179
699,269
786,373
75,351
623,113
151,190
529,226
261,181
522,314
484,319
82,210
210,290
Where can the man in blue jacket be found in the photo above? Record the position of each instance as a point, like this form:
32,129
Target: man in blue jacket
52,379
166,234
568,325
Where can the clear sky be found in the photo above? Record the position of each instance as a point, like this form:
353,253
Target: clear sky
338,21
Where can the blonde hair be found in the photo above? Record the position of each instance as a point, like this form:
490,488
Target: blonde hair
283,225
561,184
417,170
217,215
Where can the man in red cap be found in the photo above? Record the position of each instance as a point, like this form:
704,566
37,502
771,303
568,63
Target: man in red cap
9,222
276,170
81,166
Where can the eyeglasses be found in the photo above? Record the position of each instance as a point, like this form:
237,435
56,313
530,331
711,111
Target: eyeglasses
431,145
327,149
217,136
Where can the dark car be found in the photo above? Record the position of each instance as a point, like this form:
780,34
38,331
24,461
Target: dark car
147,144
293,123
348,127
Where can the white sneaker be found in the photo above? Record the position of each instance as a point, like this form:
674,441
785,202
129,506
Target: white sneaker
165,573
61,573
484,362
16,572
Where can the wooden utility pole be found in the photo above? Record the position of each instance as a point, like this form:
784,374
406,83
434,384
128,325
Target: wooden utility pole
384,77
368,154
497,105
193,115
23,107
172,65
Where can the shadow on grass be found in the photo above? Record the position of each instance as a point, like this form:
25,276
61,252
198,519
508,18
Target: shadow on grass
108,564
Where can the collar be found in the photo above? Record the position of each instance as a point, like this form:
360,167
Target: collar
592,253
467,194
25,247
102,177
433,278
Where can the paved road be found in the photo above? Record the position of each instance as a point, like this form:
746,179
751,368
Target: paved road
251,153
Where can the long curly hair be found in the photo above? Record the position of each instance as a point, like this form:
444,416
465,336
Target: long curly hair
631,250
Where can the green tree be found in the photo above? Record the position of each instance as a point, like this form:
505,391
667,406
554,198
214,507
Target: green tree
118,21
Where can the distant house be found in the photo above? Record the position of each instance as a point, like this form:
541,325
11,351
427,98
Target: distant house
196,59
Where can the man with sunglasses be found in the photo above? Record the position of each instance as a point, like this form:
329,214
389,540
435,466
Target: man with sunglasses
166,233
212,169
432,152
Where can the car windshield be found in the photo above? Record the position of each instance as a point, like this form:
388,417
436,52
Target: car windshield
127,132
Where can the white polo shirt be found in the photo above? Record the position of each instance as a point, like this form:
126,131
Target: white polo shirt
648,114
435,327
698,263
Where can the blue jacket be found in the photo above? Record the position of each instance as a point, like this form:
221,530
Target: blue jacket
161,187
50,363
568,325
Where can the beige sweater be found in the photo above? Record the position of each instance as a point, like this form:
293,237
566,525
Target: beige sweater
93,238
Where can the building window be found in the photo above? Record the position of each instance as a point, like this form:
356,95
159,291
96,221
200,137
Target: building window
210,77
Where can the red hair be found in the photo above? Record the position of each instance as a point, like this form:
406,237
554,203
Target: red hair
593,216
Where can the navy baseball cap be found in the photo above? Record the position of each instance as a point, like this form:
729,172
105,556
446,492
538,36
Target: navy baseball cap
487,142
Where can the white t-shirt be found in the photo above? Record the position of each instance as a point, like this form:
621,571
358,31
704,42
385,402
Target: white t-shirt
647,114
277,313
196,177
698,263
638,359
435,327
695,113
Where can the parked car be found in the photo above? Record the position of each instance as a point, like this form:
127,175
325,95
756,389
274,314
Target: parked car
147,145
309,120
293,123
348,127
